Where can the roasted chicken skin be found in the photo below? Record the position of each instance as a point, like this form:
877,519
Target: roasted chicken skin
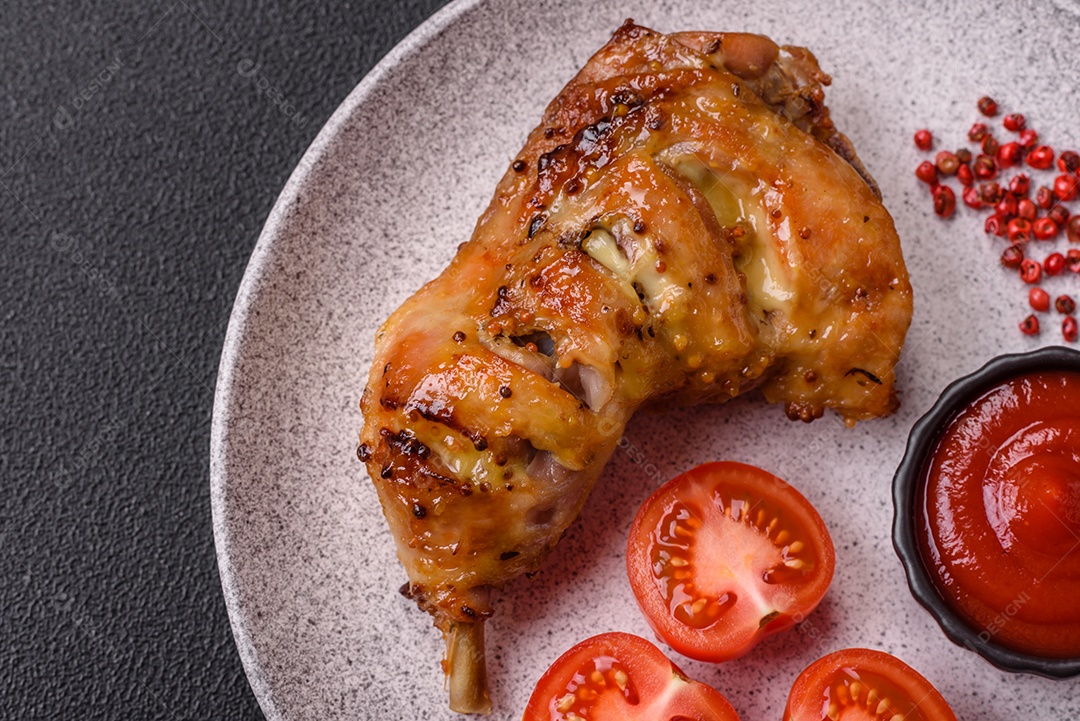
685,224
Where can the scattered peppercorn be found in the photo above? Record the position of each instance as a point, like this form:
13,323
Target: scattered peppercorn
1054,264
1065,187
1044,197
1018,230
1028,138
947,163
1069,329
964,174
1026,209
1045,229
1041,157
1019,208
944,201
1029,325
1019,185
971,198
987,106
1007,206
985,168
1030,271
1039,299
927,172
1014,122
1059,214
1009,154
995,225
1068,162
990,192
1012,256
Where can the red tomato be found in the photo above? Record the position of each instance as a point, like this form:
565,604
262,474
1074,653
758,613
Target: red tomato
725,555
616,676
858,684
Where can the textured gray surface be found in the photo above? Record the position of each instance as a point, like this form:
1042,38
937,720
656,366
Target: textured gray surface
137,166
377,206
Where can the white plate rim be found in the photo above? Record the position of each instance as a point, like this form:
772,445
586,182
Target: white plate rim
261,258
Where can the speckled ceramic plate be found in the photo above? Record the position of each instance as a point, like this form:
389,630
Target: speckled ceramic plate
378,205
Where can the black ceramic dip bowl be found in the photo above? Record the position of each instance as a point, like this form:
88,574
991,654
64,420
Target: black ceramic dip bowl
909,484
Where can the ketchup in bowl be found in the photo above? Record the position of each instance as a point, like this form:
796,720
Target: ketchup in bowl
997,520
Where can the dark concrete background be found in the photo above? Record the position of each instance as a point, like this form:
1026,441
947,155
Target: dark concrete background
143,145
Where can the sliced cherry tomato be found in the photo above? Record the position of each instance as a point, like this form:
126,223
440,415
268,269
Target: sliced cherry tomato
860,684
616,676
725,555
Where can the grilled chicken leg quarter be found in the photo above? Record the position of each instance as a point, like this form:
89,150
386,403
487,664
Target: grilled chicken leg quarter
685,224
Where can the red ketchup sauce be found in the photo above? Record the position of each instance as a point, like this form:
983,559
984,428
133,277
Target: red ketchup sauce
999,516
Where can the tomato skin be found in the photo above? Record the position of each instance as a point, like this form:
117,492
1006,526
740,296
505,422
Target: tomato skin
636,682
737,541
909,695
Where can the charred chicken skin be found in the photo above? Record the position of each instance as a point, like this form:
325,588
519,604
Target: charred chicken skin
685,224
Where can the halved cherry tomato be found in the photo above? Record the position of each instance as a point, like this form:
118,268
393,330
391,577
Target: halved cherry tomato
859,684
725,555
616,676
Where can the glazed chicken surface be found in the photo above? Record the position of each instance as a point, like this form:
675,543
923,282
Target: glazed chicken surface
685,224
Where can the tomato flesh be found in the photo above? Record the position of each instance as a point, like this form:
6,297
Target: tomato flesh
617,676
725,555
859,684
